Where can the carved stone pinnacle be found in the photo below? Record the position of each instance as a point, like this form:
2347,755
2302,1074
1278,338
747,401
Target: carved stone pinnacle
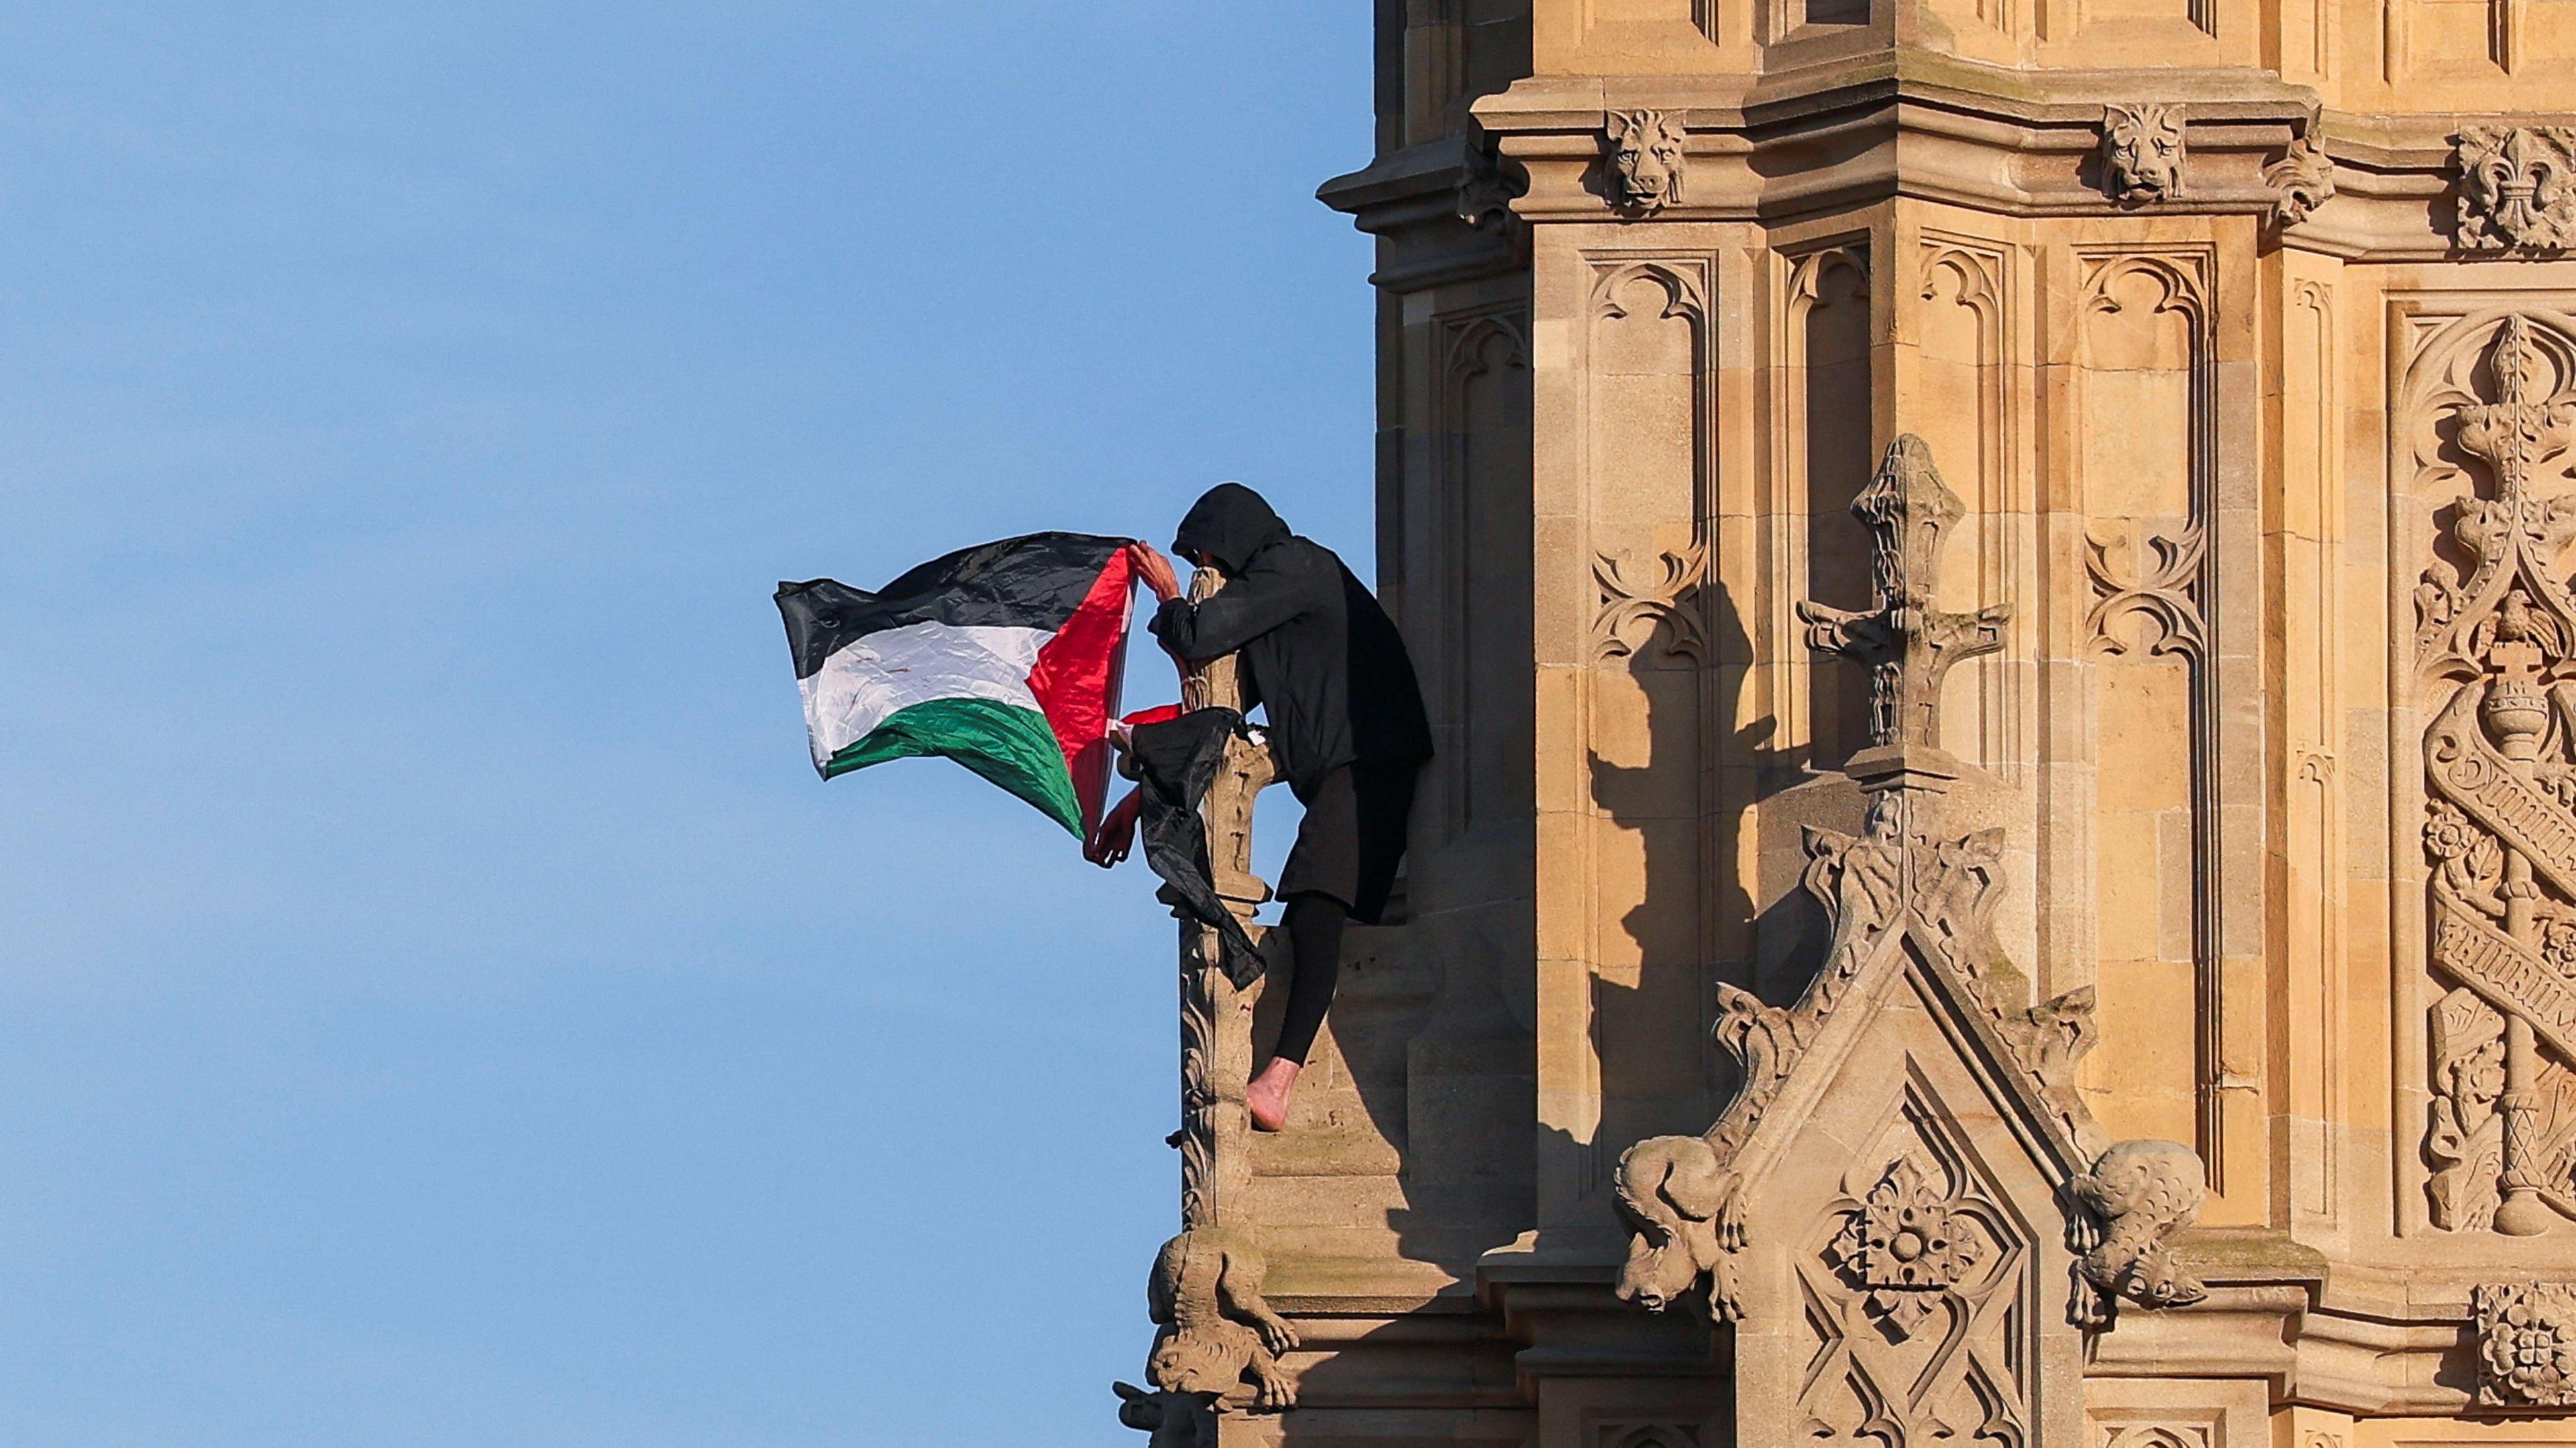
1907,644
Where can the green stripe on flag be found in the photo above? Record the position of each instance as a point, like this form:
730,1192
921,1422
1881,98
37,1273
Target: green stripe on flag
1009,745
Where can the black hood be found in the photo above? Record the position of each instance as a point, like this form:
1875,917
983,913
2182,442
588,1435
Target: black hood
1229,523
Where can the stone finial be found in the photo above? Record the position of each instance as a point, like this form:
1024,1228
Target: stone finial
2517,187
2142,152
1646,159
2301,181
1907,643
2526,1344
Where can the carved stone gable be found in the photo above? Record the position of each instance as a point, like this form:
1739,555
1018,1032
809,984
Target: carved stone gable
1905,1292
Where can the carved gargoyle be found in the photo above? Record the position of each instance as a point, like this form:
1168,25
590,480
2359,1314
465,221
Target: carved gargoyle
2301,181
1680,1191
2142,153
2121,1219
1682,1200
1646,159
1216,1332
1172,1420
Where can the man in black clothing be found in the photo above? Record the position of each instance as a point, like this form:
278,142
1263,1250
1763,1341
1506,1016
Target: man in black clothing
1345,714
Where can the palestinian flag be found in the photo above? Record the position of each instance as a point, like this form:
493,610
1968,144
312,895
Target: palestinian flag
1004,658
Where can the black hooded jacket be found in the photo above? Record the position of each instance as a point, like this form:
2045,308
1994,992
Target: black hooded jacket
1321,656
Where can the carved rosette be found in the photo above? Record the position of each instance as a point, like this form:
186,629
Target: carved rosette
2142,153
2517,187
1905,1245
2526,1344
2500,824
1911,1333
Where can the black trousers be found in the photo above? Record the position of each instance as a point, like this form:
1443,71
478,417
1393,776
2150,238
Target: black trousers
1342,867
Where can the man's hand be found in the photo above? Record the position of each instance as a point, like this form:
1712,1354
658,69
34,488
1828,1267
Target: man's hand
1117,832
1154,570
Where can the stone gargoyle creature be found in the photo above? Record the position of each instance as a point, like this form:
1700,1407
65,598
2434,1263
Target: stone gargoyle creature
1216,1333
2122,1219
2142,153
1684,1203
1172,1420
1680,1191
1645,159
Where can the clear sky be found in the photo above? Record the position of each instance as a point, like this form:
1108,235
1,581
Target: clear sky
440,1005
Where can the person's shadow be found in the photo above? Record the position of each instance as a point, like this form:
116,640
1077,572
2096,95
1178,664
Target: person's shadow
1695,921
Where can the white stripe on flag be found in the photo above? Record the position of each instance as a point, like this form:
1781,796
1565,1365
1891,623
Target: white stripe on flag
862,684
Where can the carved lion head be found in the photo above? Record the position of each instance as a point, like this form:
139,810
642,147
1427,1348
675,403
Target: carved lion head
2142,148
1646,158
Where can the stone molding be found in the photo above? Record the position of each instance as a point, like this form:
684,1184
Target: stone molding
2356,185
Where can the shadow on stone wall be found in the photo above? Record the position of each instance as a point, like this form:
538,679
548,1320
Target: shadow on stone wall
1695,919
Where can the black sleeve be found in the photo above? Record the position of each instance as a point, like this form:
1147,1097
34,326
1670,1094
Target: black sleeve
1243,610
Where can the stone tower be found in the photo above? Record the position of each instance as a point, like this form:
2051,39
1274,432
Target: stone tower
1992,578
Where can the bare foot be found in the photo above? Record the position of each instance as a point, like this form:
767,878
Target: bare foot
1267,1095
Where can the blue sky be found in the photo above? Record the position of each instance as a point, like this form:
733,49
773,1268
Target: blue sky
441,1007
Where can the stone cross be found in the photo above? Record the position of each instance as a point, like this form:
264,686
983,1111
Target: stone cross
1907,644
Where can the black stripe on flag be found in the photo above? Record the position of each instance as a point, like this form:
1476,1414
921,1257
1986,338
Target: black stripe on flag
1032,582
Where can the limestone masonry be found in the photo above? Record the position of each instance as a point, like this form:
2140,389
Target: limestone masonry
1992,577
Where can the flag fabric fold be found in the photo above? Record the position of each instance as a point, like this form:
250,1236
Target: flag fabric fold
1004,657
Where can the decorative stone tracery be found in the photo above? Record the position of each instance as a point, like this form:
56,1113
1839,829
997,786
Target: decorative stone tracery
2500,823
1639,597
1907,1244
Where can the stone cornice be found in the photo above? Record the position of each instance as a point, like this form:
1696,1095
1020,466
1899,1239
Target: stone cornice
1834,136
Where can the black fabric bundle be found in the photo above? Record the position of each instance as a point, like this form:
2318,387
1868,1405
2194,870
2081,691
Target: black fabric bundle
1174,762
